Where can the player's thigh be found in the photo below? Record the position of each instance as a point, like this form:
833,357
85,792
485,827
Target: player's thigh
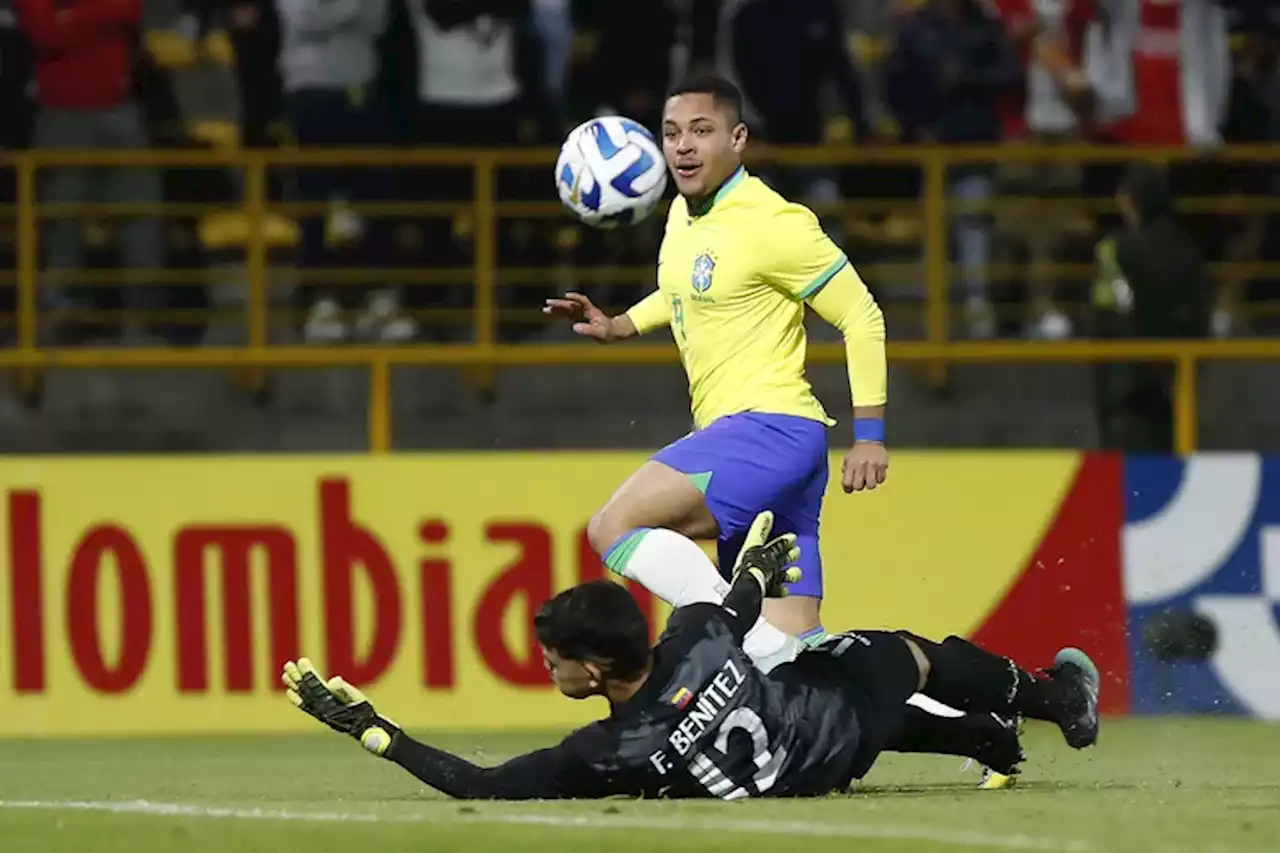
798,510
800,612
656,495
765,462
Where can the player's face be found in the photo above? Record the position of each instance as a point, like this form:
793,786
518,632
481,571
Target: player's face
574,679
702,141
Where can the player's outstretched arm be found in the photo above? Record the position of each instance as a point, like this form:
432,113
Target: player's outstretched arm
545,774
589,321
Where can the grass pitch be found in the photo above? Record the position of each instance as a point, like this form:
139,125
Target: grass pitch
1155,786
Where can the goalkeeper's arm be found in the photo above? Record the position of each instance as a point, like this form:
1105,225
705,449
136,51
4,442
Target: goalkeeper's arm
546,774
555,773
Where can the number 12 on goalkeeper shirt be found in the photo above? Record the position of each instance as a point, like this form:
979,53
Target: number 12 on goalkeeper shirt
724,765
768,762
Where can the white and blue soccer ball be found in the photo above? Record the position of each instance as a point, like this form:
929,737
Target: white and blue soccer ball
610,172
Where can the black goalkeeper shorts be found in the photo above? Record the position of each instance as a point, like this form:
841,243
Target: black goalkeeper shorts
882,674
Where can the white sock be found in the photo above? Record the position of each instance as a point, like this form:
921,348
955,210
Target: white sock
675,569
669,565
769,647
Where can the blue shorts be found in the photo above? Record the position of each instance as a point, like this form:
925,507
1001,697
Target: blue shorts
751,462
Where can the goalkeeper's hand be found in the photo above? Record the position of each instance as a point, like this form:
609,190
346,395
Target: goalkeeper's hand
768,561
338,705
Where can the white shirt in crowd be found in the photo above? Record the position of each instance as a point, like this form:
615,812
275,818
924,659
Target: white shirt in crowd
468,66
1047,111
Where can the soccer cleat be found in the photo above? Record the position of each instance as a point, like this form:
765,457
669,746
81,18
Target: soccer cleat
993,781
1078,677
1002,756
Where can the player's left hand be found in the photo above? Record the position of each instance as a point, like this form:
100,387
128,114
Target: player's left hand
866,466
338,705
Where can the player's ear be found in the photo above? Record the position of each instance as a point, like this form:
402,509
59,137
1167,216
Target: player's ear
595,672
739,137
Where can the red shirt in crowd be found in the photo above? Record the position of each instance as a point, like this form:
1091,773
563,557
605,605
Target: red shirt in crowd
83,50
1157,78
1023,17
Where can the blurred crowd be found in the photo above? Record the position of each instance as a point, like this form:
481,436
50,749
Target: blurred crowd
458,73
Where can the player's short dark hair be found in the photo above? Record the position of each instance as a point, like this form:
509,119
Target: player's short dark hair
598,622
725,94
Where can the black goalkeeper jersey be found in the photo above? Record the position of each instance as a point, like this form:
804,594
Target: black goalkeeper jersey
706,723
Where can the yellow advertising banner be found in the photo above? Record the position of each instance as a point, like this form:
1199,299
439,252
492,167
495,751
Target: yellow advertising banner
160,595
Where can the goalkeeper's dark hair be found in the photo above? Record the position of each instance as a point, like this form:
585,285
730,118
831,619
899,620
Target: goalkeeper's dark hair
597,622
725,94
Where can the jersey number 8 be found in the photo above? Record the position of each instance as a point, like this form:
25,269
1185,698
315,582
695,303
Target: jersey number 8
768,763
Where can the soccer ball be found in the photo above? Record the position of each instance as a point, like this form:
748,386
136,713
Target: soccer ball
610,172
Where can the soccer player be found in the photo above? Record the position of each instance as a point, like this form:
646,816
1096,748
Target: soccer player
693,717
737,266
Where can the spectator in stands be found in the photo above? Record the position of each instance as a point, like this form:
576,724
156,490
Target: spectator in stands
470,86
1160,71
254,29
1253,117
328,66
945,78
553,22
16,104
477,86
1151,284
84,60
1048,110
18,109
784,55
630,68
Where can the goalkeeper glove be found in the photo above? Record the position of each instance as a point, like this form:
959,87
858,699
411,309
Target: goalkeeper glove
338,705
768,561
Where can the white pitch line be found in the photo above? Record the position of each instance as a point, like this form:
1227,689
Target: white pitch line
957,838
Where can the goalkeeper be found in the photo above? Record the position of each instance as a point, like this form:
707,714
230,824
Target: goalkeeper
693,717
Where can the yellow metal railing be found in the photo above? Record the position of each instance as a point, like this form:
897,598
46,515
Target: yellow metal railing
483,355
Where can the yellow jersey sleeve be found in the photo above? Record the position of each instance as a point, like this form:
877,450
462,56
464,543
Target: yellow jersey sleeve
845,303
650,313
797,255
803,261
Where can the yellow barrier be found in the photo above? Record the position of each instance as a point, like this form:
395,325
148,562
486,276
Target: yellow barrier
484,354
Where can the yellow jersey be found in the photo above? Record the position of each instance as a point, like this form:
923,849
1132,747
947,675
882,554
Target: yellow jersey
733,280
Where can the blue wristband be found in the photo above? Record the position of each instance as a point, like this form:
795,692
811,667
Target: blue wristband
869,429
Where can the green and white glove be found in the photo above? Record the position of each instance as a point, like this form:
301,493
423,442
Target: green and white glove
338,705
768,561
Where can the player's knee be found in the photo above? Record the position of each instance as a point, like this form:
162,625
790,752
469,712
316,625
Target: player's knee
605,528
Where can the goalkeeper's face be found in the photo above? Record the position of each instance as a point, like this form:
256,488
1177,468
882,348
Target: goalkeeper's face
574,678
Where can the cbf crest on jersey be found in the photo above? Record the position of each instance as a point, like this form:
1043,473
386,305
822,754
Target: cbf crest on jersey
704,266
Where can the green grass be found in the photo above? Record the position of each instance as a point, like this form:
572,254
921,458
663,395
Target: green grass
1150,786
